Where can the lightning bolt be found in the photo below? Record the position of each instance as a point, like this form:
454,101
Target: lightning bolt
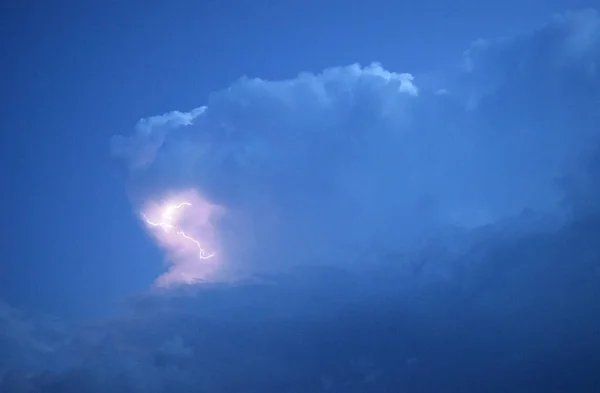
166,224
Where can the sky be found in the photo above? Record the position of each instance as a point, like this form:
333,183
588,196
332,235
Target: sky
301,195
79,73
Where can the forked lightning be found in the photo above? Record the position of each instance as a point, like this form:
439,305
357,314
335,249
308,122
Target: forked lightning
168,226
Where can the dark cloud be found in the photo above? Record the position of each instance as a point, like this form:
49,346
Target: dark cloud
440,210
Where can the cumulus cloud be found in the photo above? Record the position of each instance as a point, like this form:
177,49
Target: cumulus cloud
182,224
323,167
356,166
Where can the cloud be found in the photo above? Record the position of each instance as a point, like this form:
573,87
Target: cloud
321,168
374,331
182,224
354,166
150,135
29,342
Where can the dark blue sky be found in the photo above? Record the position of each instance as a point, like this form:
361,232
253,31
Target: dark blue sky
77,73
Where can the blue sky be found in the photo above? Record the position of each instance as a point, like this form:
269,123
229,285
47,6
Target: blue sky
77,74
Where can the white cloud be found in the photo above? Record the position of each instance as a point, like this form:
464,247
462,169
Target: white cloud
318,168
332,167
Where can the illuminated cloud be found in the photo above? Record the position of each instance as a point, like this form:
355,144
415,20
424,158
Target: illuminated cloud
324,168
182,222
327,164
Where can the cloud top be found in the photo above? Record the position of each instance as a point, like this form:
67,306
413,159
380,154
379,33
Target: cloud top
323,167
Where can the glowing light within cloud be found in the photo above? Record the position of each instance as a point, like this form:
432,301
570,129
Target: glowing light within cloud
167,225
182,224
355,158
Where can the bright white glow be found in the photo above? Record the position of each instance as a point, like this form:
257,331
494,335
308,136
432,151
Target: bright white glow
182,224
167,225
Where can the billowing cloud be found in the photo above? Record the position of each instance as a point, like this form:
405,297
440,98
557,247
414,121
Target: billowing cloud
323,168
182,223
353,166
